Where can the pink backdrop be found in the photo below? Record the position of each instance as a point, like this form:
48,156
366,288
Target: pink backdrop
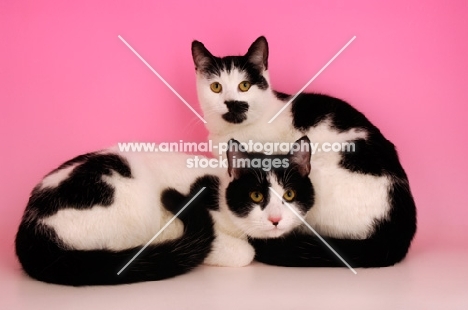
68,85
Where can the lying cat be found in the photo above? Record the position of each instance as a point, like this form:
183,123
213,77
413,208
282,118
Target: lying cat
86,219
363,202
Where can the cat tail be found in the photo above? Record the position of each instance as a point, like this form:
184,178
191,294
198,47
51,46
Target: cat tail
44,257
387,246
310,251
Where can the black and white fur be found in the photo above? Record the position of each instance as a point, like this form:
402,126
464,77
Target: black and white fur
86,219
363,204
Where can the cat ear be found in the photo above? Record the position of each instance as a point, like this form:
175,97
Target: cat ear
234,153
258,53
300,154
201,56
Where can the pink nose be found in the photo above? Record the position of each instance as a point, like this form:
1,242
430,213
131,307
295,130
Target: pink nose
274,219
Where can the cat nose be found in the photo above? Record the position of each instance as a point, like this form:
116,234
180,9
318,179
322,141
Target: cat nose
275,220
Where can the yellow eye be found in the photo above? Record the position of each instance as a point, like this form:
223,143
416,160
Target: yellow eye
256,196
216,87
244,86
289,195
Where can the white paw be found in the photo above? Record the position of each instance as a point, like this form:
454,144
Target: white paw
228,251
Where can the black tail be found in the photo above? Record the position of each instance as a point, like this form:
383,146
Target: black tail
309,251
44,257
387,246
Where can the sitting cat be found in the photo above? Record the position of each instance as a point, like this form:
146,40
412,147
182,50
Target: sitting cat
89,217
363,203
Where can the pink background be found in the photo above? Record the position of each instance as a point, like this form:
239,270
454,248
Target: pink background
68,85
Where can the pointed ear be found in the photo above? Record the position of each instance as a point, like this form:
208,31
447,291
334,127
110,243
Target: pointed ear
300,154
201,56
235,153
258,53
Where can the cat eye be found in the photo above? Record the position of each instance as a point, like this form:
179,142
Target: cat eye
244,86
289,195
216,87
256,196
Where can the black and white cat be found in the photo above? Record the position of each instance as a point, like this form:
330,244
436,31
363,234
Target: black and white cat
363,203
86,219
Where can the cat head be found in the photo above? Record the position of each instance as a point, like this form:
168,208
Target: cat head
256,179
231,89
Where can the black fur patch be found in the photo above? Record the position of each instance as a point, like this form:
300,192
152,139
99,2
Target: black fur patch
84,187
281,96
237,111
173,200
256,179
375,155
310,109
237,193
291,179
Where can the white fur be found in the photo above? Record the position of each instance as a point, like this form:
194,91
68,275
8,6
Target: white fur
346,203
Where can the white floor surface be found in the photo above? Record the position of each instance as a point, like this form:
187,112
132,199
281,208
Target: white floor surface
430,278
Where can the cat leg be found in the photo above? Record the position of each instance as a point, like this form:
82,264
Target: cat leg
228,251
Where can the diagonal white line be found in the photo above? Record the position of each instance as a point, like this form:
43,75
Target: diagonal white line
311,80
161,230
313,230
162,79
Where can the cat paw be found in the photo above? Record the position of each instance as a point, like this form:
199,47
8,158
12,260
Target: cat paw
228,251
